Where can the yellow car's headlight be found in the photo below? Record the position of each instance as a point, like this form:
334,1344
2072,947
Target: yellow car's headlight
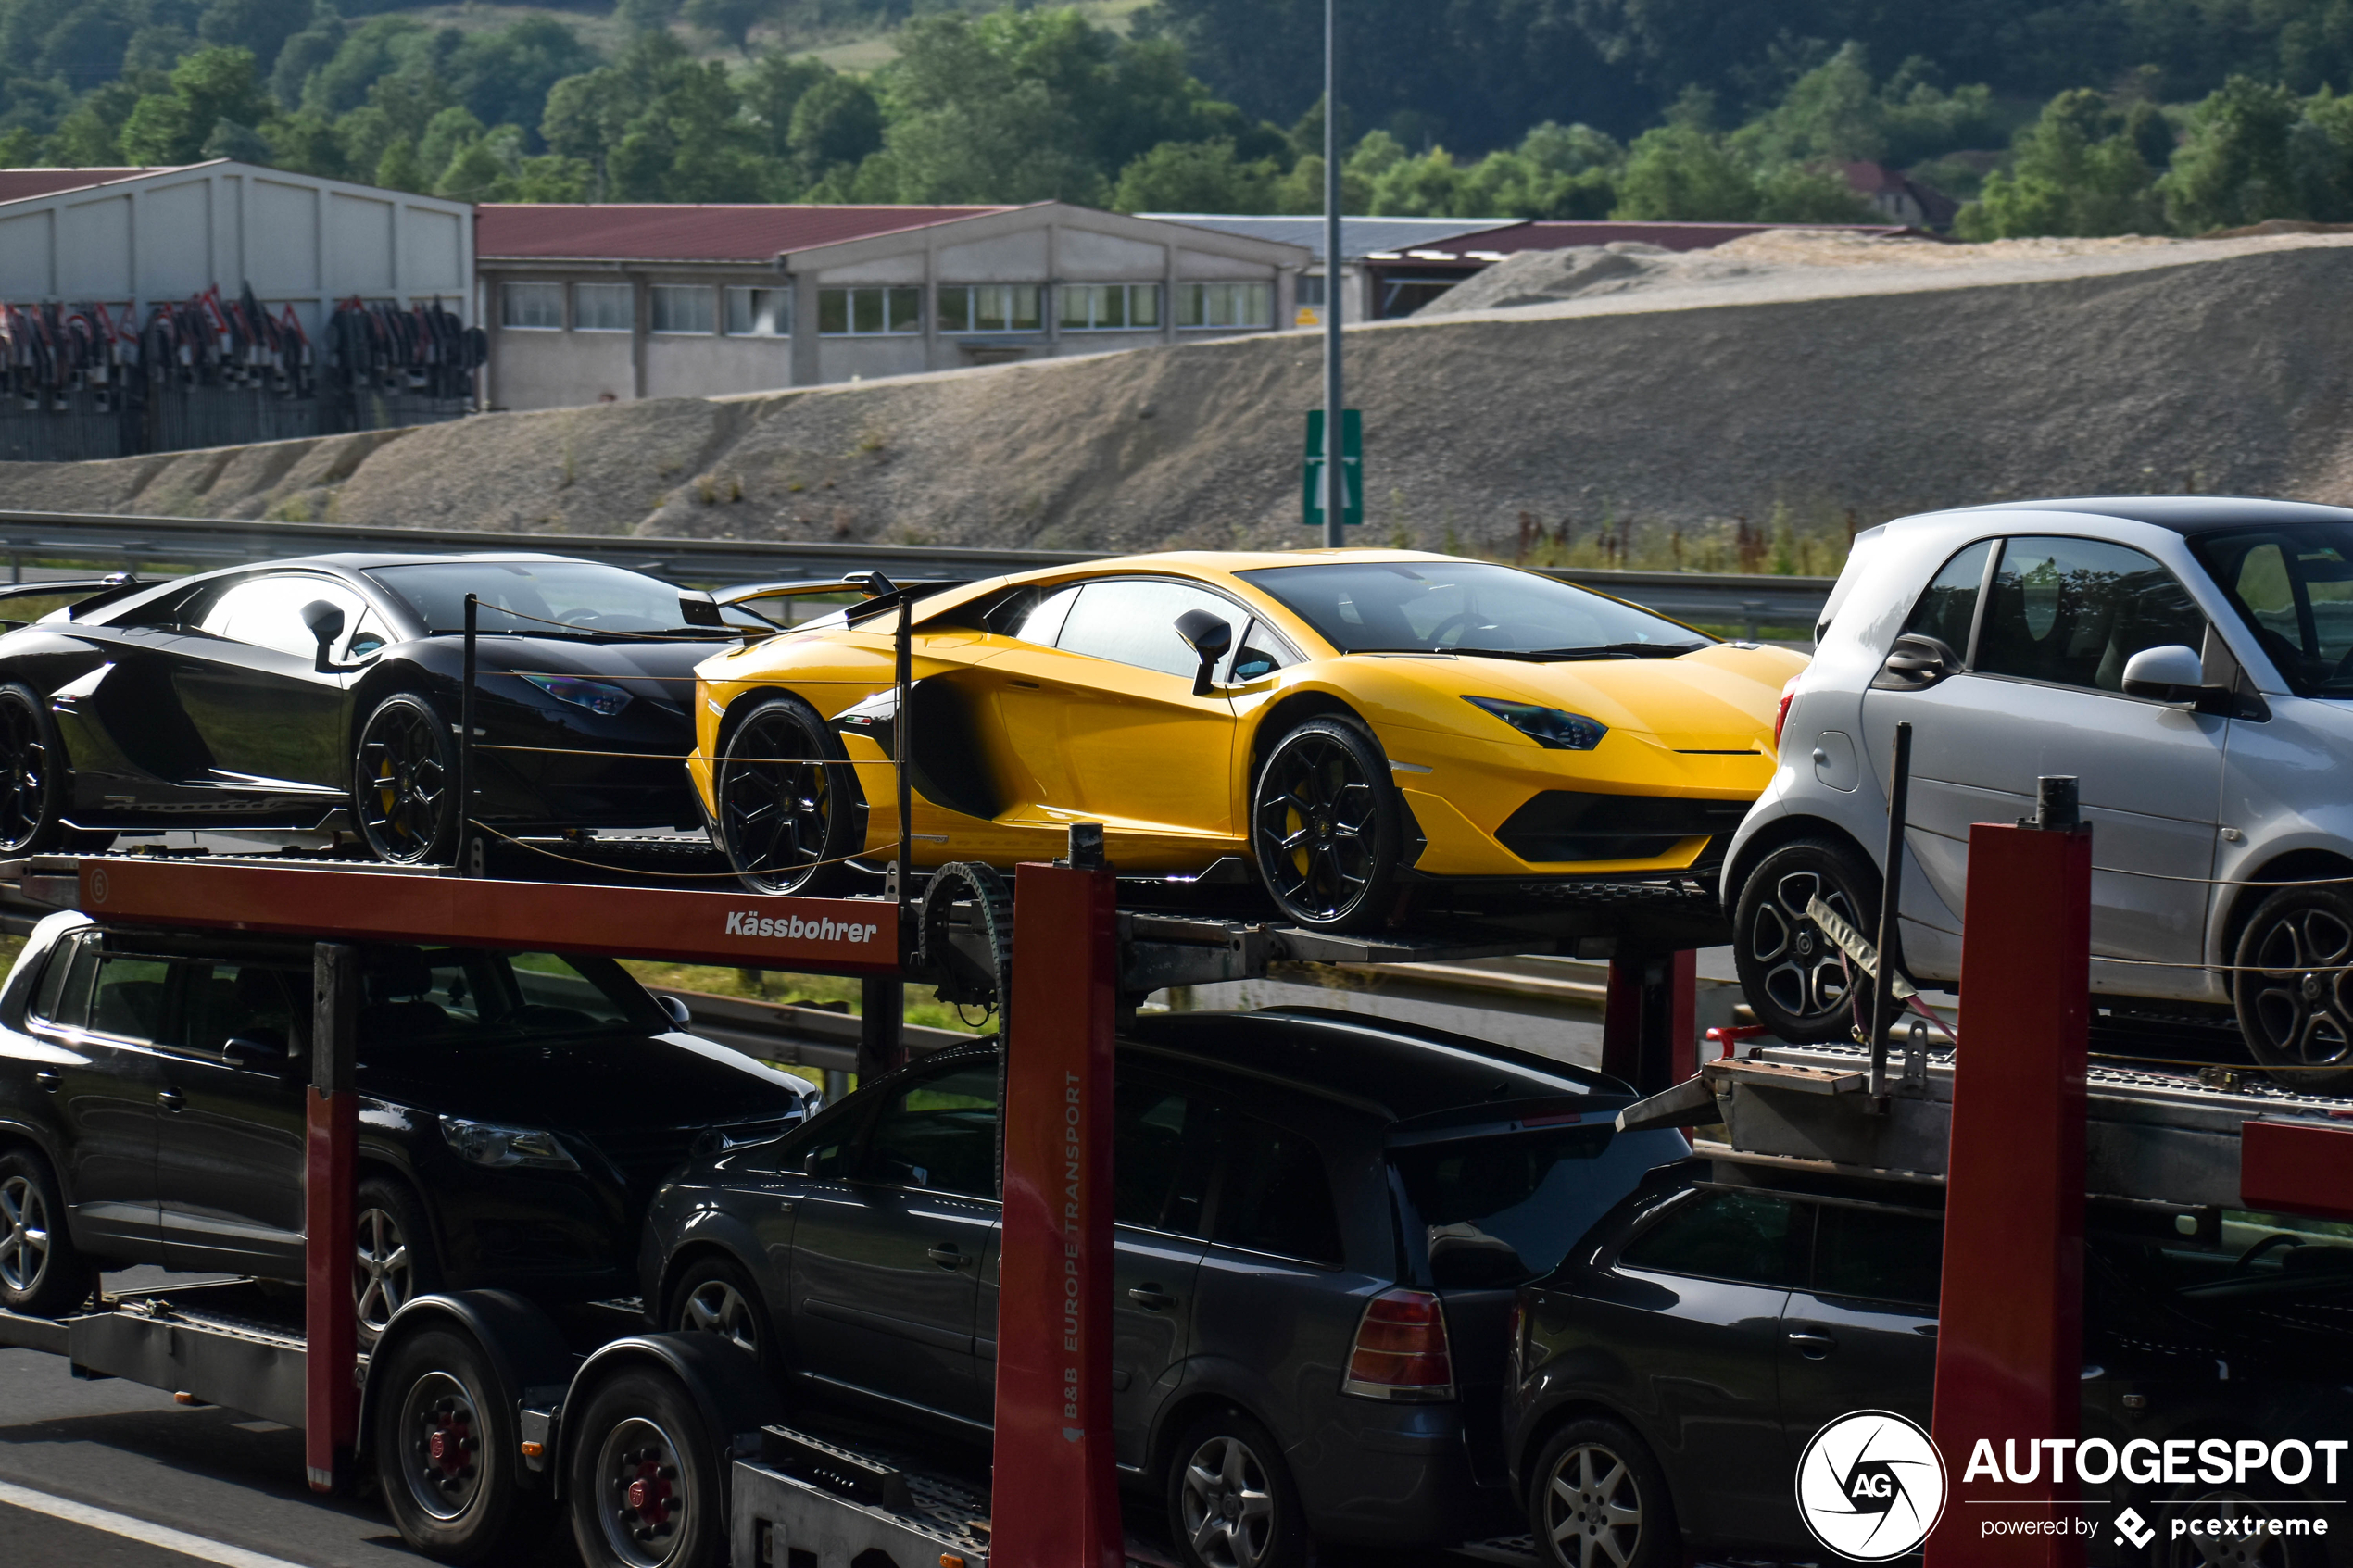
1553,728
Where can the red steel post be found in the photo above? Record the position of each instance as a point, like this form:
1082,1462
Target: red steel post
331,1147
1055,1503
2009,1332
1650,1020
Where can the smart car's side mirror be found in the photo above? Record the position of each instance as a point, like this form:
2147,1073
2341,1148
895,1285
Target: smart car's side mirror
1915,663
1208,635
2171,674
326,625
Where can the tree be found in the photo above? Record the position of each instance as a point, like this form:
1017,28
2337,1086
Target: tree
2078,170
2239,162
1682,173
241,143
773,88
474,174
260,26
974,116
549,179
1196,177
305,142
398,168
305,52
645,16
730,20
836,122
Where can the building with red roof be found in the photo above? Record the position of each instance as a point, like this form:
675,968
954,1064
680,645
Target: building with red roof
616,301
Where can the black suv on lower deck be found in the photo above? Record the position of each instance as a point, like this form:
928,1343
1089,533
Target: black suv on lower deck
1320,1222
517,1112
1668,1376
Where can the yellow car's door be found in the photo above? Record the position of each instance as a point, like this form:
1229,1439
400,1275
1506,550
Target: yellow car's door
1104,722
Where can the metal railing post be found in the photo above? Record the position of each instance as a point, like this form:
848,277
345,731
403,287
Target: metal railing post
1890,935
330,1117
464,847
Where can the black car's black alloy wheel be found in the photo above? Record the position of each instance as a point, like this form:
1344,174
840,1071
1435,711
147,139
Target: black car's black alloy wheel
785,800
1228,1503
715,1305
1324,825
1798,982
2294,986
406,781
441,1424
383,1276
30,803
24,1235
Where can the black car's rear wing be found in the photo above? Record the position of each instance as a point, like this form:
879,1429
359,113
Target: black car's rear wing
80,594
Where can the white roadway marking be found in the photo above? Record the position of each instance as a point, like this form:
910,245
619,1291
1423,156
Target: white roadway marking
124,1524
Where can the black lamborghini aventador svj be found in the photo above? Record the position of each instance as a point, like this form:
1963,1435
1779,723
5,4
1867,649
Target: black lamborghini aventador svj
322,694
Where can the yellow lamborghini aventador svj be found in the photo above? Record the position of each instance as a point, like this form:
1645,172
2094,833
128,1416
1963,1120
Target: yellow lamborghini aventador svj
1354,724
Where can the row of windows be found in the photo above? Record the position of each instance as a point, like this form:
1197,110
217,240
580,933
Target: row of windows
697,308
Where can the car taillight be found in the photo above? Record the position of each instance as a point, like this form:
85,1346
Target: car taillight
1780,714
1400,1349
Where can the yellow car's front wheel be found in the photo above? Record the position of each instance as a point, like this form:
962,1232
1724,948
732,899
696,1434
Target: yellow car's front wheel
1325,825
786,801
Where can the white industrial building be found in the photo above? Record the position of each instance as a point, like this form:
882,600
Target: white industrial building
138,237
611,302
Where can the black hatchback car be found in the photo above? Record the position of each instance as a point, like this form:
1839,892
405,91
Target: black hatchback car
1320,1221
1667,1378
517,1113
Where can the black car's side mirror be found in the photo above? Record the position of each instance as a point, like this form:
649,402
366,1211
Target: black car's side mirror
1210,636
251,1055
679,1013
326,625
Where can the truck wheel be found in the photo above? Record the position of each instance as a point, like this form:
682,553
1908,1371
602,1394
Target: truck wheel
445,1446
41,1274
643,1484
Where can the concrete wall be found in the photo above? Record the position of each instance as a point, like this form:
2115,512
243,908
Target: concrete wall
296,238
542,368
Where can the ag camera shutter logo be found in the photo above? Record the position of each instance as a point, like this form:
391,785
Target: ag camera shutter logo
1870,1485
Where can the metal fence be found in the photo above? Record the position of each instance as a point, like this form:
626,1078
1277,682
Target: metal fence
74,427
1742,603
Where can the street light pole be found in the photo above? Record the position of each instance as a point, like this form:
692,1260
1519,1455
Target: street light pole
1335,481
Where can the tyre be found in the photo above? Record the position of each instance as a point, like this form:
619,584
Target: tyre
404,782
1598,1500
2293,990
643,1484
33,776
446,1454
713,1295
788,801
1325,825
1793,973
1231,1503
394,1258
41,1274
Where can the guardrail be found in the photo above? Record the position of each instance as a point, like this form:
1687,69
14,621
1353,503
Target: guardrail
1750,602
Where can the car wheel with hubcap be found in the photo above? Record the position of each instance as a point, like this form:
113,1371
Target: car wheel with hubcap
444,1436
1325,825
1230,1500
644,1480
1796,981
41,1274
787,798
394,1261
32,775
2293,987
404,782
715,1296
1599,1501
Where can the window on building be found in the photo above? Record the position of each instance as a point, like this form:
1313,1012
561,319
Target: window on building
990,307
682,308
869,312
1227,304
603,308
1311,289
759,312
531,306
1111,307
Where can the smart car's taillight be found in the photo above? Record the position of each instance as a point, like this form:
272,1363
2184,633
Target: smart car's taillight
1401,1350
1780,714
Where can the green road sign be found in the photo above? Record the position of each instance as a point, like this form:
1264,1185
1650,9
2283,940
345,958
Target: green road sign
1351,462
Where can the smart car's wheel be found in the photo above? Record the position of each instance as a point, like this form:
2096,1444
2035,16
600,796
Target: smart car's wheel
715,1296
1325,826
1230,1500
443,1440
40,1272
644,1480
393,1257
404,784
787,800
1598,1500
32,775
2293,989
1792,973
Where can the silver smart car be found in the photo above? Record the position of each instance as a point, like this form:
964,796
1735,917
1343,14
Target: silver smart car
2188,658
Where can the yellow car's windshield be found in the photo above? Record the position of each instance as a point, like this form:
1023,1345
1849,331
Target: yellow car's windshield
1466,607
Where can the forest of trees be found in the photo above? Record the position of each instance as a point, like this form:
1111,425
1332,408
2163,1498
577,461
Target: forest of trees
2066,117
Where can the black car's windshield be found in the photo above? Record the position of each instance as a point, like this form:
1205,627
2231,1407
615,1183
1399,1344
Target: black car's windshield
1466,607
1496,1210
545,599
2293,588
458,995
